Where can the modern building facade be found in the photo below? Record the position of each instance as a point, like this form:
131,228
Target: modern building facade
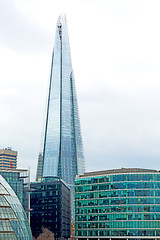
13,220
50,203
118,204
18,179
62,153
8,158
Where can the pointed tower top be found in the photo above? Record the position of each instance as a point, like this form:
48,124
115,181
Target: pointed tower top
63,149
61,18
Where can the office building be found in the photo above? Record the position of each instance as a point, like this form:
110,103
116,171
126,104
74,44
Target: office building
8,158
18,179
118,204
50,204
13,220
62,153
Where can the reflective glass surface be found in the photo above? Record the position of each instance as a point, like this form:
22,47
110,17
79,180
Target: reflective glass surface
50,202
118,205
13,220
63,150
18,180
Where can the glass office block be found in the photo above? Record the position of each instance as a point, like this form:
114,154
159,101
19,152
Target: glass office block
118,204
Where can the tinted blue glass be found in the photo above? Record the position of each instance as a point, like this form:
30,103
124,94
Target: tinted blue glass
63,149
52,135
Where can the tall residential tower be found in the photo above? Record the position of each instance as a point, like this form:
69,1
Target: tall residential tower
62,154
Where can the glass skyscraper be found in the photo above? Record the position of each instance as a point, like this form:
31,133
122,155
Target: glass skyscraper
62,154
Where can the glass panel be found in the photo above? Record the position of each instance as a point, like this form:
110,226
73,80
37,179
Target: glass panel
118,205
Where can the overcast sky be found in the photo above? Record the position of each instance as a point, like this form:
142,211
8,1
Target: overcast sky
115,49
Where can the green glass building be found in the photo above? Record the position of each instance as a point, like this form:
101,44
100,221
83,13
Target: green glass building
14,224
118,204
18,179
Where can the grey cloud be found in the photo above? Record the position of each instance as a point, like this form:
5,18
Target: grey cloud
119,83
18,32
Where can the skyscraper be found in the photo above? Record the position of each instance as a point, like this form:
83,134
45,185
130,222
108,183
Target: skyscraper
62,154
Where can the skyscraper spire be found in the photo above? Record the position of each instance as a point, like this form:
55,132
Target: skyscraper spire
62,154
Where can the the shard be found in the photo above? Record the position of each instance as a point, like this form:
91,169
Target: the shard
62,154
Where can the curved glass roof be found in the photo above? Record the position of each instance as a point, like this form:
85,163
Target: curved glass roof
13,220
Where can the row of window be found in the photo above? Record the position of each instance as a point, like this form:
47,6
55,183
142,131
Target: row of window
117,209
114,217
45,186
116,186
7,163
119,232
9,155
119,193
119,224
117,201
118,178
11,175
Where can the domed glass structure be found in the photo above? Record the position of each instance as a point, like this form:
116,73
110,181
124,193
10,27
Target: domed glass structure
13,220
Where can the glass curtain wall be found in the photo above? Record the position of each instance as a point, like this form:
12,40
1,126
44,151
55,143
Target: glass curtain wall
118,205
62,155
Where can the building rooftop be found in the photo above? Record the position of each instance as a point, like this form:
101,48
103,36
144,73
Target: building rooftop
51,180
117,171
13,170
8,150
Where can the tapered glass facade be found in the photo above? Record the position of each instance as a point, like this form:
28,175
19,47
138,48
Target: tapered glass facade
123,203
62,155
